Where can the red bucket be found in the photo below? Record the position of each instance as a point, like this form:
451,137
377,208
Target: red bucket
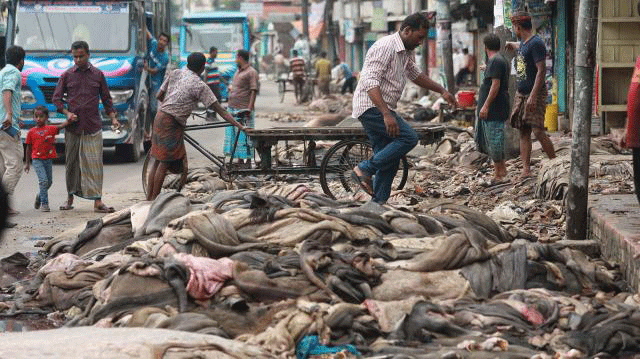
466,98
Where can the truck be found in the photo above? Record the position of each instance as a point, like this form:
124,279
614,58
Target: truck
116,33
226,30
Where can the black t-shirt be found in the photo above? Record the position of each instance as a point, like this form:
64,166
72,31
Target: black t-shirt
497,68
529,53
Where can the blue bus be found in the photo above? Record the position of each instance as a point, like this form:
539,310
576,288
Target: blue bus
226,30
116,33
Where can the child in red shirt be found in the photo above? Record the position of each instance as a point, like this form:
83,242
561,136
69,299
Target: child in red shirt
41,151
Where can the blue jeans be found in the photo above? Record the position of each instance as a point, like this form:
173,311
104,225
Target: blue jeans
45,178
387,151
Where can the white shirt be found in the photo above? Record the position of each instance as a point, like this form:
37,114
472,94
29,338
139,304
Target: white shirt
387,65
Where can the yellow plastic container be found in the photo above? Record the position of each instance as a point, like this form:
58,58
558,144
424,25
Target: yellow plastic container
551,118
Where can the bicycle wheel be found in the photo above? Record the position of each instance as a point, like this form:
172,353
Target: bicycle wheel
339,161
281,90
145,170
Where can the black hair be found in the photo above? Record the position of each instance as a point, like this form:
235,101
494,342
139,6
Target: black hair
196,61
244,54
465,51
42,109
415,21
165,35
294,52
323,54
213,48
525,24
77,45
14,55
492,42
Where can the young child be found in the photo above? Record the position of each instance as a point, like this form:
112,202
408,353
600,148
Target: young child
41,151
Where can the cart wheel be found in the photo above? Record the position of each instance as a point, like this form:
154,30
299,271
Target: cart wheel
148,162
281,90
339,161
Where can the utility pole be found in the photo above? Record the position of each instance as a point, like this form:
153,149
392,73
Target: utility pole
331,39
444,41
305,18
578,192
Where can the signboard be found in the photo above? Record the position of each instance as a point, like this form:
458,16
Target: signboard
379,19
254,9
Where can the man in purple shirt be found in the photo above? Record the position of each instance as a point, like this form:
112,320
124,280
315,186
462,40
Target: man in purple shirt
84,85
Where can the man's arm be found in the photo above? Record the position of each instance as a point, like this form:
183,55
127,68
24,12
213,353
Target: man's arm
537,86
107,102
254,91
225,115
425,82
61,88
27,159
493,93
6,101
149,36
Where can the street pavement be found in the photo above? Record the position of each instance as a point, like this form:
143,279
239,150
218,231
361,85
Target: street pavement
122,185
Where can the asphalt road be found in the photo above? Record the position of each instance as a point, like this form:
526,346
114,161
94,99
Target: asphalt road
122,185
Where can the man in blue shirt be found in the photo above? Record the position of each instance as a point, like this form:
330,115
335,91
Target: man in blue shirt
156,65
344,72
11,151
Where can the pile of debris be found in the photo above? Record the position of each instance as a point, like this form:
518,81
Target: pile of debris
296,274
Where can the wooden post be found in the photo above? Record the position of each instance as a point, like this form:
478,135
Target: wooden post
578,192
444,42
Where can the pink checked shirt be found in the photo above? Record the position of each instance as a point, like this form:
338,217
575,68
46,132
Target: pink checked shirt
387,65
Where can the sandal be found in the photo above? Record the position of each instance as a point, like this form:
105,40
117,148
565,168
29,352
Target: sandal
66,207
104,209
363,181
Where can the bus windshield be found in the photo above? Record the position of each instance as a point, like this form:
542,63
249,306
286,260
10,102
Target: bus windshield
52,27
227,37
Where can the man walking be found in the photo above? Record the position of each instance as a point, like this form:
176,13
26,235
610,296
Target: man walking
85,86
11,151
297,66
530,102
242,100
323,73
387,65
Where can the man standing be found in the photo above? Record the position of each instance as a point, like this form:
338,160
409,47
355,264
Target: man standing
156,65
11,151
493,105
297,65
530,102
323,73
387,65
242,100
180,94
85,86
213,74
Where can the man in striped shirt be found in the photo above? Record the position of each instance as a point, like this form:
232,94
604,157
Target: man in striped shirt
387,65
213,75
297,64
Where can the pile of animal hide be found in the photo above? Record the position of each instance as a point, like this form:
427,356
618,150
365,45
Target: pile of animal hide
288,270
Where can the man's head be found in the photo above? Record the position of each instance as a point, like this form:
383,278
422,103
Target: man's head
15,56
213,52
413,30
294,53
242,57
80,53
323,54
337,61
492,42
196,62
522,26
465,51
163,41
